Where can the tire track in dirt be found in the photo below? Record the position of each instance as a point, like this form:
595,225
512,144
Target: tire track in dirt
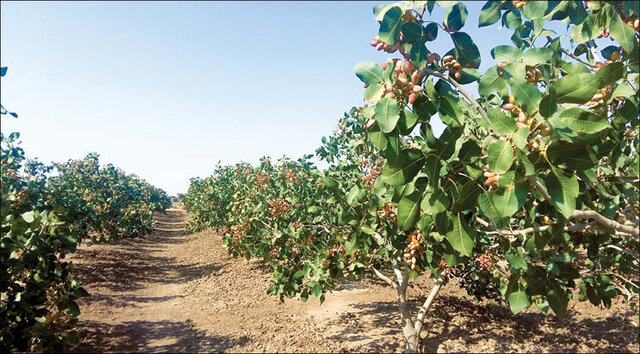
176,292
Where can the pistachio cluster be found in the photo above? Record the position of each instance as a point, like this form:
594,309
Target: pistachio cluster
450,64
278,207
239,230
600,97
492,177
407,80
261,180
370,178
290,175
487,260
533,75
518,4
388,211
414,247
381,45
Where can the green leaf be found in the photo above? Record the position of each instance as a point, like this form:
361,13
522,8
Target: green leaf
548,104
575,88
434,201
502,123
488,206
512,19
28,217
387,114
509,197
490,13
455,17
407,121
534,10
520,138
450,111
535,56
351,245
409,210
516,261
466,52
527,95
586,31
622,33
518,300
563,191
623,90
558,299
468,76
572,156
467,197
404,169
446,144
432,168
608,52
369,73
523,160
378,137
413,32
461,238
611,73
352,195
374,93
431,31
573,122
492,82
506,54
575,68
390,26
500,156
72,309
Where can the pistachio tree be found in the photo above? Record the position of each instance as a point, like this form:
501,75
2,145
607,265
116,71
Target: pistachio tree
535,177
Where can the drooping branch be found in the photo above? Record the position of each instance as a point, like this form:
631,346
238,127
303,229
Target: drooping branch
472,101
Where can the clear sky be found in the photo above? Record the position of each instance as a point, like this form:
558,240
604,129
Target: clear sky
167,89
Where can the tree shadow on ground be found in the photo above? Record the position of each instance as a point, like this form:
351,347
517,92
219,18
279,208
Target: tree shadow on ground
146,336
455,318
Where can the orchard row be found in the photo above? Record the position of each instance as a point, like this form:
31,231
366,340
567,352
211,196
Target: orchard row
529,195
44,218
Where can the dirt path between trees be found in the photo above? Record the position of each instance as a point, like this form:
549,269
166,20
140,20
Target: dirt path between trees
176,292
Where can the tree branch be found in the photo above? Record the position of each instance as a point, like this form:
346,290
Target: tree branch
581,61
591,214
385,278
410,335
427,304
472,101
540,188
522,232
622,250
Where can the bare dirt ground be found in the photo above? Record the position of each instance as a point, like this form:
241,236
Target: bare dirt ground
177,292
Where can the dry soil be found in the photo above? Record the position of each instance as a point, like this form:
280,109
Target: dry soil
176,292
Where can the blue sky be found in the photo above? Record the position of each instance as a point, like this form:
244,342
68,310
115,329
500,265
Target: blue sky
167,89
